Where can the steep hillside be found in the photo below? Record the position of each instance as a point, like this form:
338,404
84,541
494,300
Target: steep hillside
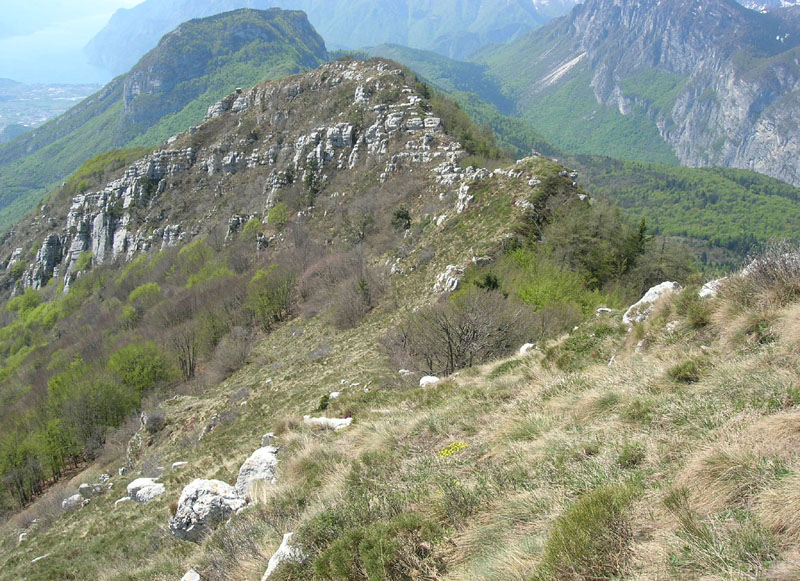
451,28
169,90
316,235
696,82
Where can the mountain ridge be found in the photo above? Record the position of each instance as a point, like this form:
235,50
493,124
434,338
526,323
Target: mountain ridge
709,83
193,67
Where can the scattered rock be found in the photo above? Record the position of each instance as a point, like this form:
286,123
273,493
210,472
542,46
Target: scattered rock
285,553
21,538
74,502
405,372
258,467
191,575
335,395
122,500
527,348
641,311
103,478
268,439
335,424
122,471
90,490
202,505
176,465
143,490
711,289
603,311
428,380
448,281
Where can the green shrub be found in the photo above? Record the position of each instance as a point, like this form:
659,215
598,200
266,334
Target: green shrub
631,455
140,367
146,295
84,261
278,215
390,550
591,539
270,296
251,230
689,371
26,302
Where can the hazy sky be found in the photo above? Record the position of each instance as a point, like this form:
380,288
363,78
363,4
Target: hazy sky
42,40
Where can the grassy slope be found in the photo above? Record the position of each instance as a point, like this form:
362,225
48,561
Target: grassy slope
538,439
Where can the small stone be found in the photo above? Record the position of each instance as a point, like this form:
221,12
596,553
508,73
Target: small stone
428,380
176,465
268,439
191,575
335,424
527,348
122,500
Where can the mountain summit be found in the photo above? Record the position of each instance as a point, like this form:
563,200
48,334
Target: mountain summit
169,90
455,29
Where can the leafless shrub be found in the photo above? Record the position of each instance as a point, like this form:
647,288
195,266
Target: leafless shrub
355,297
464,331
232,352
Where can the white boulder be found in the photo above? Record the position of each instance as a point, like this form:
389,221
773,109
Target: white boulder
711,289
527,348
285,553
72,503
143,490
89,490
448,281
258,467
335,424
641,311
204,504
428,380
191,575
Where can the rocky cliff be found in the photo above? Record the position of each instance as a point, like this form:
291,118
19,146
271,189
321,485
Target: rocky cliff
717,82
253,151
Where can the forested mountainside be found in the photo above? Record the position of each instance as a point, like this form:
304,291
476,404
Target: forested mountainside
702,83
168,90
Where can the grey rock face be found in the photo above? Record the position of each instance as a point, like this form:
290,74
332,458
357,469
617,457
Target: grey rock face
204,504
285,553
143,490
260,467
725,113
74,502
